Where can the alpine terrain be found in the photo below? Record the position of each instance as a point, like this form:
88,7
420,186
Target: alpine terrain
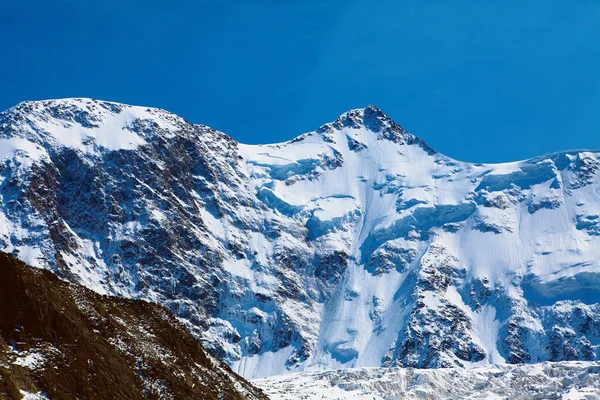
61,341
561,380
356,245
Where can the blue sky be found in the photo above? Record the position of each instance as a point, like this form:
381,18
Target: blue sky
479,81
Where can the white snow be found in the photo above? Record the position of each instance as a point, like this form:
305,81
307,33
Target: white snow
112,133
30,360
32,396
566,380
316,195
266,364
22,150
111,126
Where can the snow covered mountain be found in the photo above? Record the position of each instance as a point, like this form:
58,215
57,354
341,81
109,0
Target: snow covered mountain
354,245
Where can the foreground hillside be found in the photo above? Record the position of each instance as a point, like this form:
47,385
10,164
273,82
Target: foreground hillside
63,341
353,245
563,380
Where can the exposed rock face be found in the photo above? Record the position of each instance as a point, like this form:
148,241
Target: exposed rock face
67,342
354,245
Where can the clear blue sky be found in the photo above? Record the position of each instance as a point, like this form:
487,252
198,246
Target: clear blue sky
478,80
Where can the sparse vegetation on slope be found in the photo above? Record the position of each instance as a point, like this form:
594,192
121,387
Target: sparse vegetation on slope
64,341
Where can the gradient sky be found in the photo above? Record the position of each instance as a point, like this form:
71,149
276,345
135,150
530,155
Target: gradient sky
483,81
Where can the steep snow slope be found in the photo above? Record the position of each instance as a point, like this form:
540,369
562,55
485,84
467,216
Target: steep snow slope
354,245
562,380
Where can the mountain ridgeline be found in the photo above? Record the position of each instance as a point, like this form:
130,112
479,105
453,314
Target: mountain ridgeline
63,341
353,245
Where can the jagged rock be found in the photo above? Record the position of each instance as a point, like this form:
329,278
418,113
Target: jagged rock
66,342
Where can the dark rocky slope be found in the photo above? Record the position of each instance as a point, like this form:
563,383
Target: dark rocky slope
64,341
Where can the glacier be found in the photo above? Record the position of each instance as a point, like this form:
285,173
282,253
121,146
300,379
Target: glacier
355,245
568,380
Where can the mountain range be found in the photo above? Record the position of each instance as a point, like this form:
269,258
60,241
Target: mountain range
355,245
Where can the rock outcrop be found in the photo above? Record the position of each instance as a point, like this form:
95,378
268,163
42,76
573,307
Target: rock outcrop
63,341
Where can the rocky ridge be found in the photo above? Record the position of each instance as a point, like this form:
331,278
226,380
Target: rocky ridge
63,341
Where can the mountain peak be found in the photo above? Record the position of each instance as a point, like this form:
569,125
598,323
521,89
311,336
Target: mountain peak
373,119
117,126
84,111
86,124
57,107
370,117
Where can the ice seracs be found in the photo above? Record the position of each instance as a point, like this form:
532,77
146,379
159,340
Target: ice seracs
563,380
355,245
